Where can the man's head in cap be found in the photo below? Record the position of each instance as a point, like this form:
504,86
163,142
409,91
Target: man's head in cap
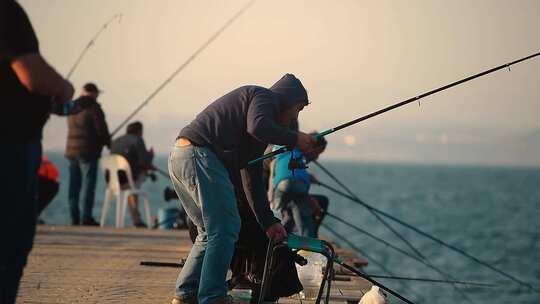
293,98
91,89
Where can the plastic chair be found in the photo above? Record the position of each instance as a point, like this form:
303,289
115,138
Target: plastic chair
115,163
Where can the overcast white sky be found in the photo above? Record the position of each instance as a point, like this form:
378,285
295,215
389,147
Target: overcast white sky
354,57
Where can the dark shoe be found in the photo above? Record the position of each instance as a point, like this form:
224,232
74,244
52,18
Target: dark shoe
225,300
90,222
185,301
75,223
140,225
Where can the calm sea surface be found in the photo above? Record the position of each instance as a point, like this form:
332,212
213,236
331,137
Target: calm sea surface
491,213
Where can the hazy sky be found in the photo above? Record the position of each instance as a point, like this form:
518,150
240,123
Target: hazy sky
354,57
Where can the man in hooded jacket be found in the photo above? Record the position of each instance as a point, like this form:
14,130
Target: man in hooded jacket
209,162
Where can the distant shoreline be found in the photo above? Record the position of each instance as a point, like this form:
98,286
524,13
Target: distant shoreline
404,163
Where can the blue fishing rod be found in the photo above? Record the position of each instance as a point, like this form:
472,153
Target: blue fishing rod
400,104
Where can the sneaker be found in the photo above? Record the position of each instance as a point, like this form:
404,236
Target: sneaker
90,222
185,301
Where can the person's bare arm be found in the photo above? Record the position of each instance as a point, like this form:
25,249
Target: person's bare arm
40,78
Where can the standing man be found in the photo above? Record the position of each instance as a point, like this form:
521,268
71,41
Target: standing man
131,146
27,84
209,162
87,134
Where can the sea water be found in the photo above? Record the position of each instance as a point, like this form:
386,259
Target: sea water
493,213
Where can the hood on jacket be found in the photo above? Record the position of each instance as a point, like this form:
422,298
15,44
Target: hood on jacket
291,90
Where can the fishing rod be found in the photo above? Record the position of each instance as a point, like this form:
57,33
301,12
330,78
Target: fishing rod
372,281
91,43
184,65
61,108
400,104
445,275
379,218
433,238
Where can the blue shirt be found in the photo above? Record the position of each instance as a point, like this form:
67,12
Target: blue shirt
282,171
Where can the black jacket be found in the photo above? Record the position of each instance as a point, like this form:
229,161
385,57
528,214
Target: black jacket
23,113
88,131
239,126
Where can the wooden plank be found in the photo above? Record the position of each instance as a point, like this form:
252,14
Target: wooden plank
102,265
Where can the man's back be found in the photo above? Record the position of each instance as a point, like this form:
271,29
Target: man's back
88,131
132,147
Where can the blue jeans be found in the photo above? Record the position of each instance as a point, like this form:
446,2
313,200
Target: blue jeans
80,170
18,182
207,195
291,199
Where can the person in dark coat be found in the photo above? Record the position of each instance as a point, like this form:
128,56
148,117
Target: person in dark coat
87,135
28,84
210,160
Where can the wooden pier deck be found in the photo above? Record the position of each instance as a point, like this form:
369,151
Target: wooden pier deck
102,265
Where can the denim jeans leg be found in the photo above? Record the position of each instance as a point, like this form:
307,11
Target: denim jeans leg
308,223
305,225
182,175
212,193
290,197
281,200
75,182
89,169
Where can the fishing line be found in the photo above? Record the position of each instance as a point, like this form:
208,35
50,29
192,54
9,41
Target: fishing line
184,65
402,238
445,275
91,43
370,258
433,238
400,104
429,280
423,260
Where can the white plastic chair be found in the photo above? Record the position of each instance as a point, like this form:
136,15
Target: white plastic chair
113,164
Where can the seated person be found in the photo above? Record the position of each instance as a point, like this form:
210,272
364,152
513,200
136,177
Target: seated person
289,190
132,147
